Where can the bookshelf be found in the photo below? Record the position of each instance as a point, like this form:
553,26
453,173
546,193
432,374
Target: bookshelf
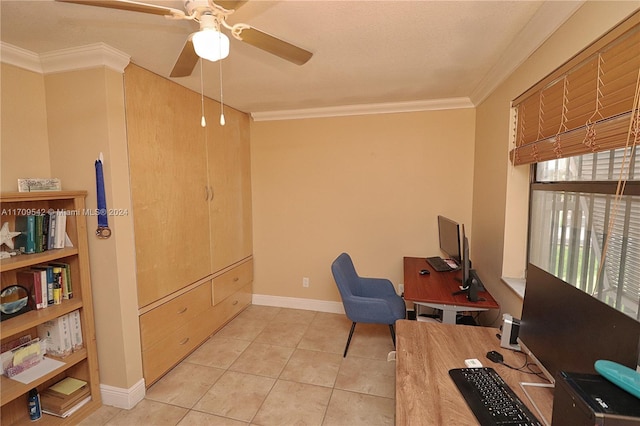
82,364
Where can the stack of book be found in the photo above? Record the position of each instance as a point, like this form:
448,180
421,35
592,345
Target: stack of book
65,397
62,335
41,232
48,284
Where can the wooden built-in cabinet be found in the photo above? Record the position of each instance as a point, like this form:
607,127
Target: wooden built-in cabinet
230,282
169,194
225,309
81,364
174,329
191,198
230,183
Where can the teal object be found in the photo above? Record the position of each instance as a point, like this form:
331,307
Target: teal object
620,375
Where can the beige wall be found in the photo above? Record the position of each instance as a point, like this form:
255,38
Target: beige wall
86,117
500,191
360,184
55,126
24,147
369,185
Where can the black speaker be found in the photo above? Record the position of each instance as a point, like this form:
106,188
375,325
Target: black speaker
473,290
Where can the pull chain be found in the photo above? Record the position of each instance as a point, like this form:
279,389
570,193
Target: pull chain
222,122
203,122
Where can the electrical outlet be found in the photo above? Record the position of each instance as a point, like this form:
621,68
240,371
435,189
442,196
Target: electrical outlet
401,288
305,282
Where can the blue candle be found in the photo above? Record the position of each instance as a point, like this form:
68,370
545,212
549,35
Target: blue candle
103,230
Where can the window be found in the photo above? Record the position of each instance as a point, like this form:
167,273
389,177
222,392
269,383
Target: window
573,203
579,128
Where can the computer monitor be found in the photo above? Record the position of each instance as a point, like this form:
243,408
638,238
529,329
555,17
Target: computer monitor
469,283
565,329
465,261
449,237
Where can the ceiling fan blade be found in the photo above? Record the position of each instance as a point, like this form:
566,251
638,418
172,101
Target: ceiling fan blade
133,6
186,61
275,46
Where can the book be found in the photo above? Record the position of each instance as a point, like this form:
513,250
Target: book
66,392
65,396
75,326
70,411
51,237
57,336
57,285
38,234
67,287
61,229
44,286
31,281
26,241
50,281
45,231
67,386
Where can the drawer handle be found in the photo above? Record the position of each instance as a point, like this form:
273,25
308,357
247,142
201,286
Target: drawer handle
235,302
184,341
183,310
236,279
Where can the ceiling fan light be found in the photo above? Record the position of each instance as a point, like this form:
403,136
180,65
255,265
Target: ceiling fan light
211,45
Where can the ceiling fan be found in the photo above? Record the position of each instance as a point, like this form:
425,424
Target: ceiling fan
209,42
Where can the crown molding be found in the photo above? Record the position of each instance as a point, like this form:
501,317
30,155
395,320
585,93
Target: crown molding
547,19
76,58
21,58
365,109
90,56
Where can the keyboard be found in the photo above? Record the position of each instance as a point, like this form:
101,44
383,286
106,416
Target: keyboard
439,264
490,399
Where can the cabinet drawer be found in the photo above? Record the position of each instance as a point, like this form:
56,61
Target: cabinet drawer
169,317
167,352
230,307
231,281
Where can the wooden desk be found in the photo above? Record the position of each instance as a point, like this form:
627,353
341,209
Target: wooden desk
425,352
435,290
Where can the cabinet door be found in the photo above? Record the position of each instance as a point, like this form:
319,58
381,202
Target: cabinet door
168,162
230,178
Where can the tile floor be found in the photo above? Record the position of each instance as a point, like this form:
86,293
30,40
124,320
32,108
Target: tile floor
274,366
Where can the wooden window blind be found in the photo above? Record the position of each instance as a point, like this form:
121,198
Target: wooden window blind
586,105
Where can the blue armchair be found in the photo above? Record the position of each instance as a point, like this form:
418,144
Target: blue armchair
368,300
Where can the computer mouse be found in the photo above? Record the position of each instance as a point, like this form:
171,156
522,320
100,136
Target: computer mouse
424,272
495,356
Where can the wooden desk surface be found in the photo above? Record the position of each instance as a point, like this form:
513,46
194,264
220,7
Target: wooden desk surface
437,287
425,352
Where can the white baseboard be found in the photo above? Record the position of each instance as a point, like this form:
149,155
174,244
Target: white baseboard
123,398
298,303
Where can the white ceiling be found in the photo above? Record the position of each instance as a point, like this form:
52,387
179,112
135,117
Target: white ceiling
364,52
